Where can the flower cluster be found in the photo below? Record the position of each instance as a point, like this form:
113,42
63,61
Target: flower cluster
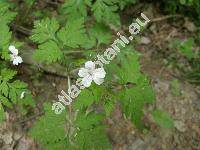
14,55
90,73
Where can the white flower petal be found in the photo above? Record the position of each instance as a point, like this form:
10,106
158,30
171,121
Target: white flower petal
83,72
99,73
11,48
14,51
89,73
90,65
17,60
22,95
98,81
86,81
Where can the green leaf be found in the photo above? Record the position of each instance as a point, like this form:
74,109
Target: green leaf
2,114
4,88
44,30
124,3
13,95
88,96
101,33
27,100
186,48
19,85
89,125
73,34
106,12
48,52
6,16
7,74
109,107
30,2
124,70
72,7
163,119
127,66
133,101
5,101
5,40
49,130
10,91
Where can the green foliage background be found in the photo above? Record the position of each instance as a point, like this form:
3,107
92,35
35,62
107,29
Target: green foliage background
87,26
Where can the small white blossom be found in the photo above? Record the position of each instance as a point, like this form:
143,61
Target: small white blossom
14,55
22,95
90,73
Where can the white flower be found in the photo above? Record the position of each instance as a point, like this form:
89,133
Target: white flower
14,56
89,73
22,95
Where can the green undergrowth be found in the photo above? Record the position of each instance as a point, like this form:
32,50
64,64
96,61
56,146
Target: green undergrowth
70,41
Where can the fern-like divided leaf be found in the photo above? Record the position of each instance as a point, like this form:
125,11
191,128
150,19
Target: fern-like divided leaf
101,34
134,99
52,41
10,91
91,133
109,105
44,33
50,131
127,70
6,16
73,34
88,97
74,7
5,40
106,12
2,114
124,3
48,52
44,30
130,66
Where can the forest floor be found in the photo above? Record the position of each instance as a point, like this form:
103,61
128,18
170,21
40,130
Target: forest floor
184,108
